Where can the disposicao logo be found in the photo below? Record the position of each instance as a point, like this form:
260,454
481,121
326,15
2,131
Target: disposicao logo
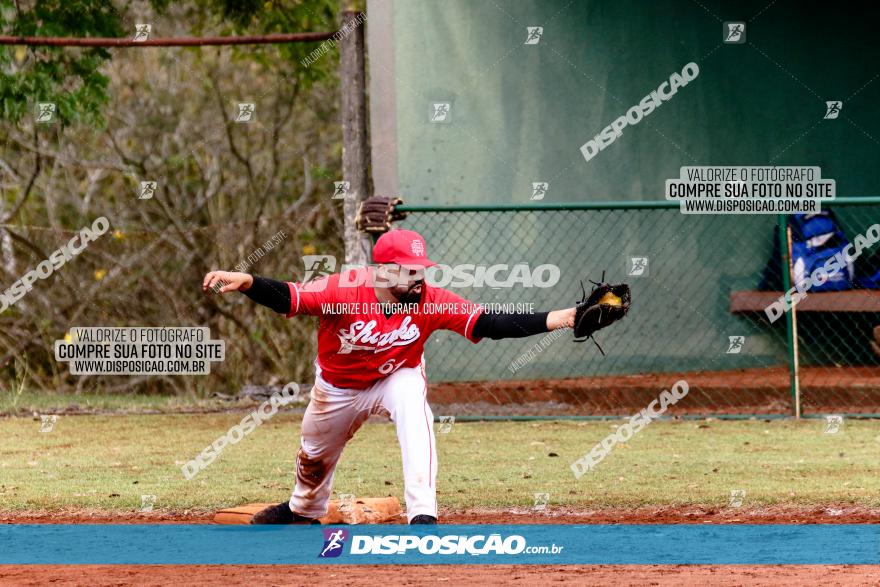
450,544
334,541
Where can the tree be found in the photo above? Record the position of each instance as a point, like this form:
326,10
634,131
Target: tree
223,188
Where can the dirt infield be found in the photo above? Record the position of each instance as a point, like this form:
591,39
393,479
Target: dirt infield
695,514
852,390
346,575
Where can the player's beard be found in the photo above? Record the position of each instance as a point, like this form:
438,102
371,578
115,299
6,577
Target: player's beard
409,296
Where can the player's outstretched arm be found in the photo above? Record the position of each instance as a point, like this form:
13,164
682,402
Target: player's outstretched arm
275,295
605,305
226,281
498,326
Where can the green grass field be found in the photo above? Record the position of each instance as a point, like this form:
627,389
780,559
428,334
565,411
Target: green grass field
107,462
19,402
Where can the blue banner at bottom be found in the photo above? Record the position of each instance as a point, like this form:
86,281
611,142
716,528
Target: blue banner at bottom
444,544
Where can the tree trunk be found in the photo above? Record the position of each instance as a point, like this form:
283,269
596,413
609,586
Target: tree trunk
355,152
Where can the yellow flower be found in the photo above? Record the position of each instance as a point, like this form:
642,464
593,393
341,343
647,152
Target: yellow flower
309,250
100,274
20,54
118,234
68,338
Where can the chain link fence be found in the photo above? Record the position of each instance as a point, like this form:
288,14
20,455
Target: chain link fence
700,285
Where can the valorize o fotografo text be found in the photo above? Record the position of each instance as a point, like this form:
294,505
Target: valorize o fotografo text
140,350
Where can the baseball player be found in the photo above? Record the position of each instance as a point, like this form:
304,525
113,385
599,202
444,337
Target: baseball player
374,322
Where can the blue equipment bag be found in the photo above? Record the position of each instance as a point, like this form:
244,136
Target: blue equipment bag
816,238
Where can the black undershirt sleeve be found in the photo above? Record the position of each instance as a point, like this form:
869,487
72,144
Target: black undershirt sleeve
503,325
276,296
270,293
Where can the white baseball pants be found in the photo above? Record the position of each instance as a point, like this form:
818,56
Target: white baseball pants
333,416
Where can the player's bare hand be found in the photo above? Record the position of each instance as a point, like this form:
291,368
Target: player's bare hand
225,281
561,319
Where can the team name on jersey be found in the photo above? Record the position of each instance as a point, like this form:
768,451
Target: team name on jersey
360,336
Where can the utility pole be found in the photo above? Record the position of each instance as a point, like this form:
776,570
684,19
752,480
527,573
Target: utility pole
355,145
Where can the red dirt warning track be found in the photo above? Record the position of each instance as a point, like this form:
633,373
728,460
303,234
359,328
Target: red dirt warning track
693,514
433,575
741,391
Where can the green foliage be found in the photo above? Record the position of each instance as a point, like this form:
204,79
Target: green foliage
273,17
69,77
223,188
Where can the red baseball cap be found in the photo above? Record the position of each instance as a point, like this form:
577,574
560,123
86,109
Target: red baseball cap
404,247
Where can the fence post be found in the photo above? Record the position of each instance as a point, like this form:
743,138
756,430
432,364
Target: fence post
790,318
355,145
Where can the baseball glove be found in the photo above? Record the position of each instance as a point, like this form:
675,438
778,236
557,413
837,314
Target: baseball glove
377,213
605,305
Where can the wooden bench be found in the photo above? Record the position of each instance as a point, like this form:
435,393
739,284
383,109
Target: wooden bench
856,300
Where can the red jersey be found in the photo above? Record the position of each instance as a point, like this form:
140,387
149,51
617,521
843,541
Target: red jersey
357,344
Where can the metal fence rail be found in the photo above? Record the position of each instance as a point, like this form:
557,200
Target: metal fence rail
697,314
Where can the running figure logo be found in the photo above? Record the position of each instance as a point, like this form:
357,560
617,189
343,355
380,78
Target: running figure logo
334,540
446,424
148,190
318,266
541,501
735,344
340,189
45,112
638,267
47,423
833,424
534,35
833,109
440,112
142,32
539,190
246,112
736,498
735,32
